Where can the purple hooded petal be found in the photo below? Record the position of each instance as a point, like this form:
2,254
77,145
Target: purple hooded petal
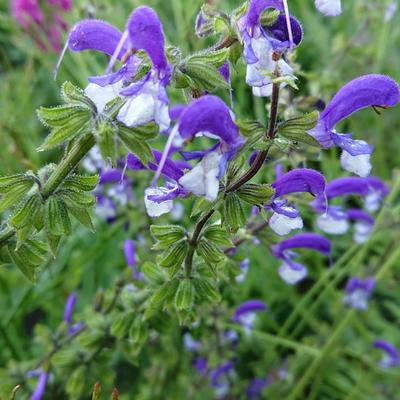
210,114
176,111
195,154
387,348
201,364
356,214
299,181
217,373
69,308
225,71
354,147
146,32
355,185
256,8
93,34
280,29
367,285
130,252
311,241
110,176
248,306
365,91
40,387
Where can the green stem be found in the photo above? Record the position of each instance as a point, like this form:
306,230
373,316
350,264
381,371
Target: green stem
67,165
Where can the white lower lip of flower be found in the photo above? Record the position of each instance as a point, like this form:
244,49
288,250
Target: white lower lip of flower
372,202
291,275
332,225
359,165
202,180
358,299
102,95
360,238
330,8
154,209
283,225
137,110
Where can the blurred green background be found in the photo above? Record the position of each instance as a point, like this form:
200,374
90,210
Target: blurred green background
334,50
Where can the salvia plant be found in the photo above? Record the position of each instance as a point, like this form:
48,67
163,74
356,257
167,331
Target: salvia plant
225,180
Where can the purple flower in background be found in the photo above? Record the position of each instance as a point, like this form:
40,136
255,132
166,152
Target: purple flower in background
244,267
68,311
41,22
219,378
191,345
290,271
358,292
256,387
391,356
40,387
245,314
130,257
363,224
146,99
201,365
365,91
286,218
330,8
261,43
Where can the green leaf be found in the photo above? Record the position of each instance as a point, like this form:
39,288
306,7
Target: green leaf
76,383
61,115
76,199
164,294
153,273
217,235
184,296
56,217
106,134
249,128
200,205
121,324
205,76
138,147
206,290
86,183
27,211
138,332
74,95
255,194
15,194
289,80
166,235
234,169
233,211
83,217
142,132
209,252
269,17
53,242
77,125
11,181
295,129
174,255
215,58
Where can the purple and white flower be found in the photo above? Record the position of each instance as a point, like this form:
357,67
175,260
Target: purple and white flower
68,312
358,292
41,386
364,91
264,46
190,344
290,271
391,356
330,8
219,378
246,314
286,218
244,269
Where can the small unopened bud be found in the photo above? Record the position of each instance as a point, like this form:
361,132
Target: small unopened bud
96,391
115,394
276,56
14,391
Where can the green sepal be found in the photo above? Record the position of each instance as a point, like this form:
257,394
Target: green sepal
153,273
184,296
105,135
56,217
233,212
76,199
255,194
53,242
121,324
215,58
26,211
166,235
250,128
136,146
74,95
209,252
138,331
143,132
295,129
15,194
204,76
205,290
59,116
82,215
217,235
174,255
9,182
86,183
163,295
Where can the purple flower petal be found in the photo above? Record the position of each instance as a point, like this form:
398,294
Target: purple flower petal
388,348
146,32
69,308
280,29
110,176
356,214
217,374
248,306
93,34
311,241
130,252
40,387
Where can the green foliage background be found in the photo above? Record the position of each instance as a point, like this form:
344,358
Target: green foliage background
333,52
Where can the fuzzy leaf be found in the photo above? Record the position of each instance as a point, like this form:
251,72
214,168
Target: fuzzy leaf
217,235
81,182
83,217
166,235
153,273
174,255
138,332
74,95
56,217
61,115
27,211
121,324
164,294
138,147
105,134
215,58
77,199
249,128
255,194
209,252
200,205
9,182
15,194
205,76
184,296
233,212
206,290
142,132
